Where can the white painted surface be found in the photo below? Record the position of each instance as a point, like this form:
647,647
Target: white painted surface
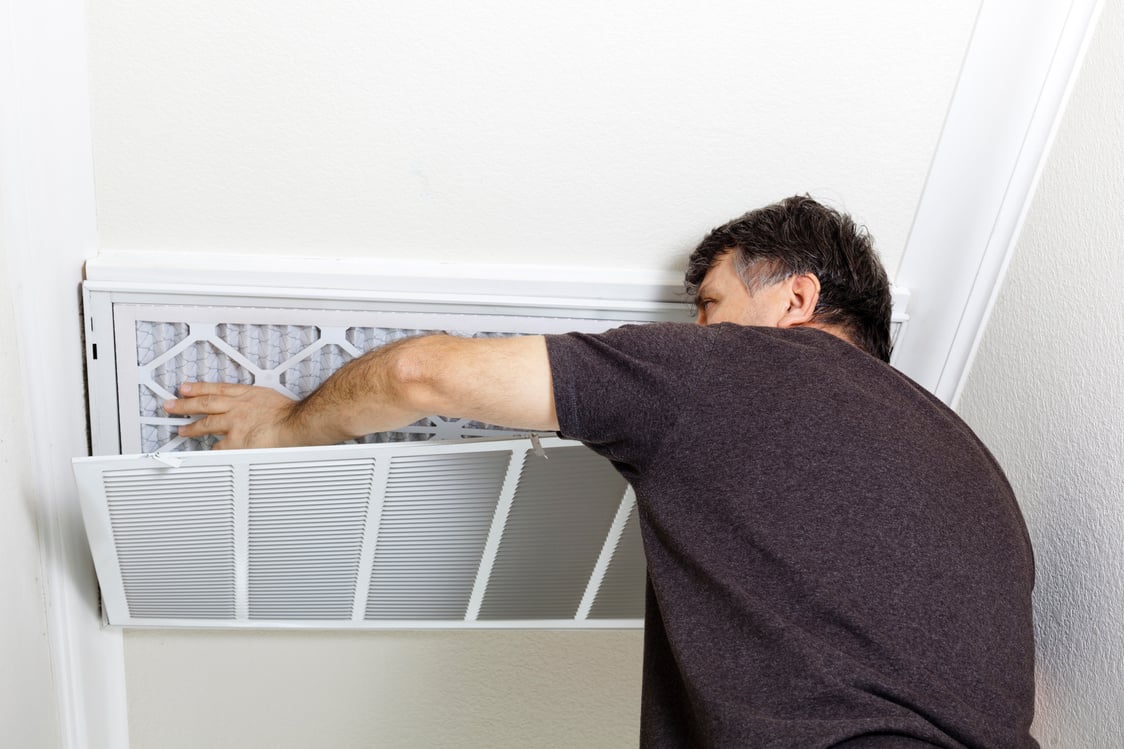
119,534
1013,88
46,231
28,711
494,690
1047,394
404,278
580,133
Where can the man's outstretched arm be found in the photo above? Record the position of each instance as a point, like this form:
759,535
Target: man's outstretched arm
503,381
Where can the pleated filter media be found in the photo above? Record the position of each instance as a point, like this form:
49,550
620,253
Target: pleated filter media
292,359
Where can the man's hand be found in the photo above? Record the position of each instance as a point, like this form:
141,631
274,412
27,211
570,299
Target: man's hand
244,415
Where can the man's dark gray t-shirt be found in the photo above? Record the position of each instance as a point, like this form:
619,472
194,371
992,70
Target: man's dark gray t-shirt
832,555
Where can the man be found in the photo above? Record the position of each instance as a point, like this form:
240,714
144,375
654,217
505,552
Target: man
834,559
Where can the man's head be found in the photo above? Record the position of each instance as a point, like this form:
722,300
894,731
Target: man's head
793,263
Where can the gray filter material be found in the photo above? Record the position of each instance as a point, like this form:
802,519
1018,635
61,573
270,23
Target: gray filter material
292,359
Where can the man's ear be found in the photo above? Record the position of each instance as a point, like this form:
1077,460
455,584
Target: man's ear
803,294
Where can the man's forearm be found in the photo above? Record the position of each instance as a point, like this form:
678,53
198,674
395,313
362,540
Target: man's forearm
370,394
504,381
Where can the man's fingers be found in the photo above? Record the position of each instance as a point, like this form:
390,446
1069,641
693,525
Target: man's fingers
204,426
199,404
207,397
244,415
195,389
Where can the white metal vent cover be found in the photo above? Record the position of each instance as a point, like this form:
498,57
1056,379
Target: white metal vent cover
428,526
494,533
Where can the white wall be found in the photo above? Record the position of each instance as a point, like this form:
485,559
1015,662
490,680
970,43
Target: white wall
66,673
1047,394
27,697
352,690
581,133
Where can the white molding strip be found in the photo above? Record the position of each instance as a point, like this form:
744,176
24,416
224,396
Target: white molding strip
1018,72
47,215
382,279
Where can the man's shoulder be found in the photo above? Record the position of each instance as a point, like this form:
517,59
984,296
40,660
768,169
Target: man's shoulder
636,337
724,344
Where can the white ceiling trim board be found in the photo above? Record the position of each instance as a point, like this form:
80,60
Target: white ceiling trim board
1019,70
385,279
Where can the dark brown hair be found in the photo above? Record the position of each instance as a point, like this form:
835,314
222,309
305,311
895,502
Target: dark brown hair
799,235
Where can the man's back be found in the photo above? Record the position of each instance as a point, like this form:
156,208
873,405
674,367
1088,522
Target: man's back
834,559
832,554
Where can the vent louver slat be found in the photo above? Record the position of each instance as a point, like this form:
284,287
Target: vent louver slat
306,525
436,515
174,537
562,510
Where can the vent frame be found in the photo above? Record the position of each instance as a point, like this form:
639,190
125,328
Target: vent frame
109,307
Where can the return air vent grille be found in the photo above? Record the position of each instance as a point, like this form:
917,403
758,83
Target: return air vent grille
306,523
436,516
619,595
558,524
174,539
484,533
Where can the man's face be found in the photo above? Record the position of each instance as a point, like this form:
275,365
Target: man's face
723,297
